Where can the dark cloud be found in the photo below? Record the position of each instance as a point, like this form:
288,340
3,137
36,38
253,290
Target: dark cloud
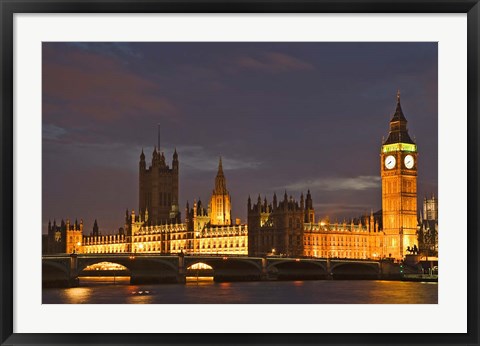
82,88
273,62
336,183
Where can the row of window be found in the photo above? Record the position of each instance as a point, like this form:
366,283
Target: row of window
338,254
334,241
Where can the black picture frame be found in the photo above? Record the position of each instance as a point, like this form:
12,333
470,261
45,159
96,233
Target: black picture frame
10,7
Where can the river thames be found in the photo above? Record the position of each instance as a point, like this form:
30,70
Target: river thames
103,290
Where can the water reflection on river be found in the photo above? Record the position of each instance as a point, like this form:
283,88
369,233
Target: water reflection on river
102,290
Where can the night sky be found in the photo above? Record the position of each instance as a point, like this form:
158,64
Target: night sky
283,116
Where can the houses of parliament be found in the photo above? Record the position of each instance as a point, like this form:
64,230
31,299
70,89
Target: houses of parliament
284,226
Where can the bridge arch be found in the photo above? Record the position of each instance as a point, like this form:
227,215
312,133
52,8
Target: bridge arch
59,266
142,269
56,274
84,263
355,270
290,269
279,262
229,268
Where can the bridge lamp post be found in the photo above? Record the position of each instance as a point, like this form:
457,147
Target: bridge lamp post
140,247
273,252
75,247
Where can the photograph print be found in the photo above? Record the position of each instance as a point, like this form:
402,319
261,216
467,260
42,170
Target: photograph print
240,173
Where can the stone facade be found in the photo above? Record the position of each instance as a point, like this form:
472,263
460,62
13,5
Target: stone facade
158,189
428,227
64,238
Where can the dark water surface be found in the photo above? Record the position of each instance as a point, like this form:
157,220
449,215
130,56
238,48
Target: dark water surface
102,290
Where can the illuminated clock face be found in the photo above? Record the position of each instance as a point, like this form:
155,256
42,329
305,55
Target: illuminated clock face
390,162
409,161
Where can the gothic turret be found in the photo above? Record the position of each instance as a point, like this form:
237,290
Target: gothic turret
95,228
175,160
142,162
309,212
309,202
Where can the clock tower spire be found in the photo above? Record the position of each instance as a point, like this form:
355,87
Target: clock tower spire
399,187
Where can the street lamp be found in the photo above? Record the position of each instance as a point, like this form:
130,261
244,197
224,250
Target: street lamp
78,245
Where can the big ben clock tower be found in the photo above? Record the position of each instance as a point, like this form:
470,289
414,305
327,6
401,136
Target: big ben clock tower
399,187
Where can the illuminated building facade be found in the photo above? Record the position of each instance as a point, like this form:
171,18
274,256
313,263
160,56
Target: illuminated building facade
398,162
359,239
204,231
288,228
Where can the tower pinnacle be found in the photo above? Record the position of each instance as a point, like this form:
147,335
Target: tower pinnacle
220,202
398,126
220,183
158,137
220,166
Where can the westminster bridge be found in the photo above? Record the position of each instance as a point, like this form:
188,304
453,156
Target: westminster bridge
65,269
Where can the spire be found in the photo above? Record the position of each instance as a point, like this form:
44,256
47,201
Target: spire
142,156
398,115
220,166
398,126
158,137
95,228
220,181
175,155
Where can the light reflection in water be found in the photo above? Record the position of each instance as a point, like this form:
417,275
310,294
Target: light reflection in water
200,280
225,284
144,298
78,295
282,292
